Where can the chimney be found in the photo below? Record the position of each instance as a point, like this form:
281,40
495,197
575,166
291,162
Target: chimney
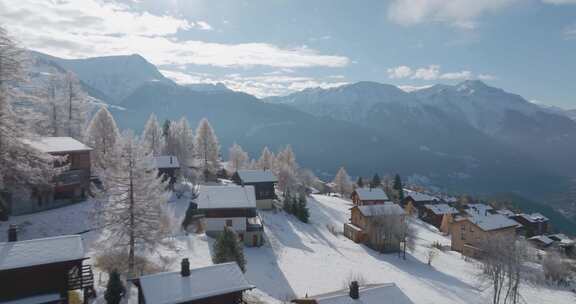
13,233
185,268
354,290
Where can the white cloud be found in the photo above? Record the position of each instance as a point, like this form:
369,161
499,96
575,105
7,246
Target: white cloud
433,72
72,29
559,2
411,88
460,13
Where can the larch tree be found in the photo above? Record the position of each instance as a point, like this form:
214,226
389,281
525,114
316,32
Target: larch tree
75,104
132,206
207,147
152,136
183,141
103,136
21,165
237,158
266,160
342,182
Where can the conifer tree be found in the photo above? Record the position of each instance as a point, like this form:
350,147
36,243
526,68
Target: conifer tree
302,213
342,182
227,248
397,187
376,181
115,289
237,158
266,161
152,136
360,182
103,136
207,147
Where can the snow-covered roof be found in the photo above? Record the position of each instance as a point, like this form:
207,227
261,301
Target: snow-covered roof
257,176
41,251
57,144
441,208
542,239
383,209
478,209
369,294
534,217
419,196
166,161
492,222
172,287
562,238
505,212
371,194
39,299
226,197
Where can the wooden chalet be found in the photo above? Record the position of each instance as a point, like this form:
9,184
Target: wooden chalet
44,270
469,232
168,167
69,186
366,226
216,284
414,202
367,294
232,207
263,182
437,214
533,224
369,196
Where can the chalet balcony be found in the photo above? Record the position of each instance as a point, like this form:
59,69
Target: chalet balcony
71,177
254,224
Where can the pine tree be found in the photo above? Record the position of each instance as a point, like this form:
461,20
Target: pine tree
287,203
115,289
152,136
237,158
398,188
266,161
342,182
207,146
303,213
227,248
360,182
376,181
103,136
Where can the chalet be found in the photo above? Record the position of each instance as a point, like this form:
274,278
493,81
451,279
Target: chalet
368,294
374,225
469,232
43,270
534,224
263,182
541,241
70,185
233,207
414,202
436,214
369,196
168,167
216,284
479,210
564,243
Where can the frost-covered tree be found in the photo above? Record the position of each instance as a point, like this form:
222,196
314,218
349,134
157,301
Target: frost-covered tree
286,158
74,103
152,136
20,164
237,158
132,209
102,135
266,160
342,182
183,138
206,146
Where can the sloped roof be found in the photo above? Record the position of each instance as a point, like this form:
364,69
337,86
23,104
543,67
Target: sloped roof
419,196
369,294
166,161
542,239
257,176
441,208
57,144
172,287
534,217
37,299
41,251
478,209
377,210
492,222
371,194
505,212
226,197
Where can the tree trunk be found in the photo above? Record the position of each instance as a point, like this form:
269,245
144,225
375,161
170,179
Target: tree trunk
131,202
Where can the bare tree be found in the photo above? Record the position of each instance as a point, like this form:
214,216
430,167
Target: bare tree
152,136
237,158
342,182
266,160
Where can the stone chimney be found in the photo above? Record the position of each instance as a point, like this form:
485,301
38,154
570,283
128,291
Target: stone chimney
12,233
354,290
185,268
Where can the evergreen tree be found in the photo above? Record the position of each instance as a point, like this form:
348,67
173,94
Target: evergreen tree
227,248
115,289
360,182
302,213
287,203
398,187
166,127
376,181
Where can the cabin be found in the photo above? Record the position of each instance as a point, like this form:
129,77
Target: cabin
69,186
469,232
233,207
436,214
414,202
374,225
534,224
367,294
369,196
215,284
479,210
564,243
43,270
541,241
168,167
263,182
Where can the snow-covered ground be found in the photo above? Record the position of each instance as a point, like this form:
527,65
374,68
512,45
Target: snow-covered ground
300,259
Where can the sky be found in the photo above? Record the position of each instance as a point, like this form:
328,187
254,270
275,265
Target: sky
275,47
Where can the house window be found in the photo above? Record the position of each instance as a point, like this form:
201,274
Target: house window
228,223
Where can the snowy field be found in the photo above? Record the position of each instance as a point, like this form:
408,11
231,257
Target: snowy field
300,259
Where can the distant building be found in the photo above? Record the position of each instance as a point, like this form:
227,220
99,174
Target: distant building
369,196
263,182
435,214
534,224
414,202
233,207
479,210
168,167
541,241
216,284
69,186
368,294
43,270
375,225
469,232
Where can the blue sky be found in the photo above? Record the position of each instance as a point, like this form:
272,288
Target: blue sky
269,47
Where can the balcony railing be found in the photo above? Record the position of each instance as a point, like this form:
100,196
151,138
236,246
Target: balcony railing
71,177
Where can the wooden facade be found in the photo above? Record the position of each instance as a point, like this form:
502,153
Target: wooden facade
368,228
467,236
264,186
